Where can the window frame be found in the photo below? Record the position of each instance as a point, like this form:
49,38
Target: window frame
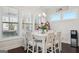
9,22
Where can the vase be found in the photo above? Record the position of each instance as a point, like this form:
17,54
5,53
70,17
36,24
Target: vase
43,31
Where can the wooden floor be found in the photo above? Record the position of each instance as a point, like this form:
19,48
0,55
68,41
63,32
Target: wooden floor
17,50
66,48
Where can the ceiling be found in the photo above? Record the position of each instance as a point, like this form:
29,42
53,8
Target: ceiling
46,9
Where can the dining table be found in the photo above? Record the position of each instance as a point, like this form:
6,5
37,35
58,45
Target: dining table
39,36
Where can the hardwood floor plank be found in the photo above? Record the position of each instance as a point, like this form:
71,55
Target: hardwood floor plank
66,48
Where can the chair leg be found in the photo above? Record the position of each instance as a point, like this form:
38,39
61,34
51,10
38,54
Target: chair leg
33,49
37,48
27,48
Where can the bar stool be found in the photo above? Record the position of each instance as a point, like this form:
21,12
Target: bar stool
30,42
49,42
39,40
24,40
57,42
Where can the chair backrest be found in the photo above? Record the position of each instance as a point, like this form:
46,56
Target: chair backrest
50,37
29,36
58,37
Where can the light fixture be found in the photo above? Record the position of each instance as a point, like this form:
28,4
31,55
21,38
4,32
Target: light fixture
42,14
39,15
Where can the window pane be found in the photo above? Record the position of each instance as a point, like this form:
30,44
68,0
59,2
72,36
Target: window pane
37,20
5,26
69,15
10,29
55,17
13,19
5,19
13,27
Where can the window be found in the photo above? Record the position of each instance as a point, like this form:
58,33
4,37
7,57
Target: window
27,23
69,15
37,20
55,17
9,24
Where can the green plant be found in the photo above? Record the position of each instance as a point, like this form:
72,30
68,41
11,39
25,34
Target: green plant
43,27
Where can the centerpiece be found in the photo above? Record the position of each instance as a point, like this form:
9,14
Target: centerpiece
44,27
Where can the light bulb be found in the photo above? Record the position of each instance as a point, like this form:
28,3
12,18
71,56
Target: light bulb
39,15
44,14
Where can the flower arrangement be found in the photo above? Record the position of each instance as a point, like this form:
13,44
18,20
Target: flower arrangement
44,27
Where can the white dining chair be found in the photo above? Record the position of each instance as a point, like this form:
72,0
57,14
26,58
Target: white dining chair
49,42
24,40
30,42
57,42
38,44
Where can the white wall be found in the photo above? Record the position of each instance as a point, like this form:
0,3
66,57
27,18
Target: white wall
65,26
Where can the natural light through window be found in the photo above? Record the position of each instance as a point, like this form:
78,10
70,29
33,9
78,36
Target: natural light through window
55,17
69,15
